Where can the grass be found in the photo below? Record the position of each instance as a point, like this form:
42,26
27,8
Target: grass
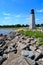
41,42
30,33
35,34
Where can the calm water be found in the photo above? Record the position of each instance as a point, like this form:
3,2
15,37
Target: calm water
2,31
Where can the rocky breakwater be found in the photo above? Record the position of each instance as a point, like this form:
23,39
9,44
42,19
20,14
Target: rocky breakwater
18,49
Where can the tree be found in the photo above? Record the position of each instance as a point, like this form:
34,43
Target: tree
41,24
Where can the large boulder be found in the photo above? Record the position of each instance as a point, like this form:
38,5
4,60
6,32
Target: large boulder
1,35
40,61
32,48
5,56
30,61
1,52
38,54
27,53
2,59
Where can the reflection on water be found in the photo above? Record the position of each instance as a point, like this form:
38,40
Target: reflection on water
3,31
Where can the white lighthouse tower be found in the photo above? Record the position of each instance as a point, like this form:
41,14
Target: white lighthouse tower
32,19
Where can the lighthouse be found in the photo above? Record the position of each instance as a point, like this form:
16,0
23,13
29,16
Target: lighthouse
32,19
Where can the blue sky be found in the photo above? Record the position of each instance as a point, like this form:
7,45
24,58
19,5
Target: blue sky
18,11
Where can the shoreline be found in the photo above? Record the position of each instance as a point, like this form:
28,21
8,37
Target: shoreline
13,44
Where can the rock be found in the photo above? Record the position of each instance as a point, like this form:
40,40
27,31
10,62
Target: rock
1,34
5,56
1,60
15,45
30,61
38,50
18,61
1,40
40,61
29,40
1,52
41,47
8,38
32,48
15,51
24,38
17,34
38,55
27,48
27,53
2,44
33,42
10,49
11,36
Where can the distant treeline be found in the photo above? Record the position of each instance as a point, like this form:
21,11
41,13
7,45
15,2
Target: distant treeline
39,25
12,26
18,25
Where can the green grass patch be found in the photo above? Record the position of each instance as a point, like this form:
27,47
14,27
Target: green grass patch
30,33
34,34
41,42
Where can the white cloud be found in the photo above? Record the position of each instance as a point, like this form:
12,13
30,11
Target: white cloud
41,10
6,22
10,18
6,17
27,18
18,15
6,14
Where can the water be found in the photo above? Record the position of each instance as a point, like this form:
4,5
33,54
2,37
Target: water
2,31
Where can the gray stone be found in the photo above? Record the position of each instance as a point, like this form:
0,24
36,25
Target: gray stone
27,53
32,48
40,61
38,50
1,52
1,59
38,55
5,56
30,61
1,35
19,61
